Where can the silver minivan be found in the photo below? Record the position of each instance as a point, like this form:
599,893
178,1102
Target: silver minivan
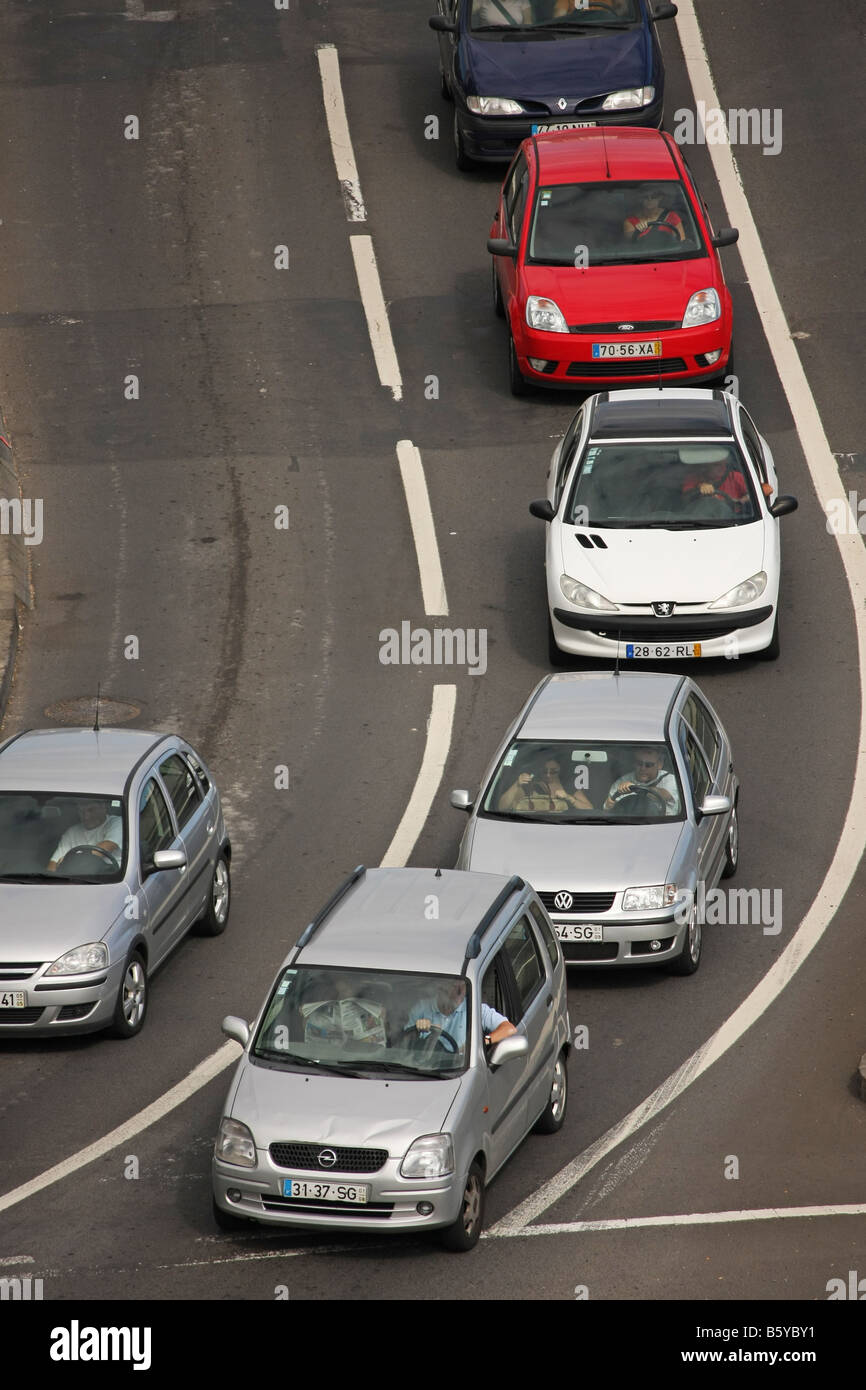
413,1037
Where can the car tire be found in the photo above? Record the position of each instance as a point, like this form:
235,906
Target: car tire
130,1009
462,159
498,304
516,380
214,919
689,958
771,653
732,846
226,1222
552,1116
463,1233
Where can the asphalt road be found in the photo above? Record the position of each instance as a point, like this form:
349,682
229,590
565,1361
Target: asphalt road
257,388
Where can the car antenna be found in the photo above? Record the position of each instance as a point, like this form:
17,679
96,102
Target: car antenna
96,721
616,663
438,873
607,173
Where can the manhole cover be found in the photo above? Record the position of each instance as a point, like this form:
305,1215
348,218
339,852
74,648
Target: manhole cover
83,711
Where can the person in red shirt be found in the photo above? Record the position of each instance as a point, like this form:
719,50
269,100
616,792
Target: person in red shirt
654,217
717,476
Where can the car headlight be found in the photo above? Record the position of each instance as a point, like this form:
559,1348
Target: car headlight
628,100
235,1144
703,307
93,956
545,314
431,1156
649,899
583,596
747,592
494,106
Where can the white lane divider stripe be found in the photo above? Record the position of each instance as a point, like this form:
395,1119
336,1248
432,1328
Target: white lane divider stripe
338,130
376,313
423,529
698,1218
825,476
429,777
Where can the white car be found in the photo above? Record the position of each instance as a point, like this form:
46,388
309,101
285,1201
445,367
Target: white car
663,537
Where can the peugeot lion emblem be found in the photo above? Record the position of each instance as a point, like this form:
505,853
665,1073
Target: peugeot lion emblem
327,1158
663,610
563,901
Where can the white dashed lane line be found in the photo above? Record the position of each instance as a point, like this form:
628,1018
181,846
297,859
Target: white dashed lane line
423,529
698,1218
338,130
370,286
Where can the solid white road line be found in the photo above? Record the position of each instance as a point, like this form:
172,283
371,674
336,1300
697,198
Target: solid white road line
134,9
698,1218
825,477
338,129
377,315
423,529
429,777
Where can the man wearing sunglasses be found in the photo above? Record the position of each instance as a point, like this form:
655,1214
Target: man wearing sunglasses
647,777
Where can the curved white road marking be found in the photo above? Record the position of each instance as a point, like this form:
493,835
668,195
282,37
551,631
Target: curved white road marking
825,477
379,328
429,777
423,529
697,1218
338,130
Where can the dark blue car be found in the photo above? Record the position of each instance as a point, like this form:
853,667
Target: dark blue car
515,66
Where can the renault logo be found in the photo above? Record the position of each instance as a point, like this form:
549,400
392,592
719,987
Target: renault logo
663,610
327,1158
562,103
563,901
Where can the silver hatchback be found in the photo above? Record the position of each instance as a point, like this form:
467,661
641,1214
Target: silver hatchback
112,846
615,794
413,1037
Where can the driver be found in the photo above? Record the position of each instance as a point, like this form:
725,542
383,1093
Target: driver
97,828
651,214
718,475
647,775
447,1013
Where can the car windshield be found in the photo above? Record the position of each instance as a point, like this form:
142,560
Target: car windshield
367,1022
592,224
677,486
563,14
60,837
584,782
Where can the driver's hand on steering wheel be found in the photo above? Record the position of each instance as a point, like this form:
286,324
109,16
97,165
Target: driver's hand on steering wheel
423,1025
707,490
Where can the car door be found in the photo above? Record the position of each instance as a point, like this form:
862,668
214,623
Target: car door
163,890
448,42
710,830
515,203
195,828
534,996
506,1090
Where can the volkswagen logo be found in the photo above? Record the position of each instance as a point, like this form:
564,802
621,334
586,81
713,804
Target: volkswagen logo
625,328
663,610
562,103
563,901
327,1158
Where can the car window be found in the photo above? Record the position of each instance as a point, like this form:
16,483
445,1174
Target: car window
492,989
539,916
585,14
601,220
195,764
155,830
515,215
566,456
181,787
699,773
753,444
697,714
686,485
42,828
560,781
521,950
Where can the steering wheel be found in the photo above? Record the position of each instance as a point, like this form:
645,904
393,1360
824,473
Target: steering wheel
78,850
659,803
696,498
429,1041
668,226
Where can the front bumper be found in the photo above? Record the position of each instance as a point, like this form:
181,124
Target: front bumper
63,1006
730,633
627,939
569,362
495,139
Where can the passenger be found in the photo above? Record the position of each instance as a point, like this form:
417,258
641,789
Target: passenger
542,790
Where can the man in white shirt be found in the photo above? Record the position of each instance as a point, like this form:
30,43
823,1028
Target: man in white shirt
96,828
504,12
647,776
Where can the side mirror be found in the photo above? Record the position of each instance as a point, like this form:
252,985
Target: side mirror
442,25
542,509
501,246
461,801
508,1049
715,806
783,505
237,1029
726,237
664,12
169,859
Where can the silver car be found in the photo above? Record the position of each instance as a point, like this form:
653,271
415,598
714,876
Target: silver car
615,795
352,1107
112,846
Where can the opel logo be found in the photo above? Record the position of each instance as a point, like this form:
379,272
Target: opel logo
563,901
327,1158
562,103
625,328
663,610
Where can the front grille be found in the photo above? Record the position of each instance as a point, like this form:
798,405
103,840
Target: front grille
382,1210
295,1155
610,367
657,632
582,902
18,970
589,950
21,1015
646,326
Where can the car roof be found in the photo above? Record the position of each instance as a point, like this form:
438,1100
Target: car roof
602,705
588,156
646,413
384,921
73,760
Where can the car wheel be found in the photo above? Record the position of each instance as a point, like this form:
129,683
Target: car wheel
552,1116
214,919
131,1007
498,306
732,846
227,1222
771,653
460,155
516,380
463,1233
444,84
689,958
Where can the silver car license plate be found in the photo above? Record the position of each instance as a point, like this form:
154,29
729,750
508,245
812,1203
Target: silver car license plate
357,1192
580,931
13,999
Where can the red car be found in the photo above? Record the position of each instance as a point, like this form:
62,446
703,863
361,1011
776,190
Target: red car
605,264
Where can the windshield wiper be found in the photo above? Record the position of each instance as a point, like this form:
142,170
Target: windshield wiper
695,524
580,26
277,1054
403,1067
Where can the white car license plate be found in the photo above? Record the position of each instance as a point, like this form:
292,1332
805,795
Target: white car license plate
580,931
326,1191
661,651
562,125
645,349
13,999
